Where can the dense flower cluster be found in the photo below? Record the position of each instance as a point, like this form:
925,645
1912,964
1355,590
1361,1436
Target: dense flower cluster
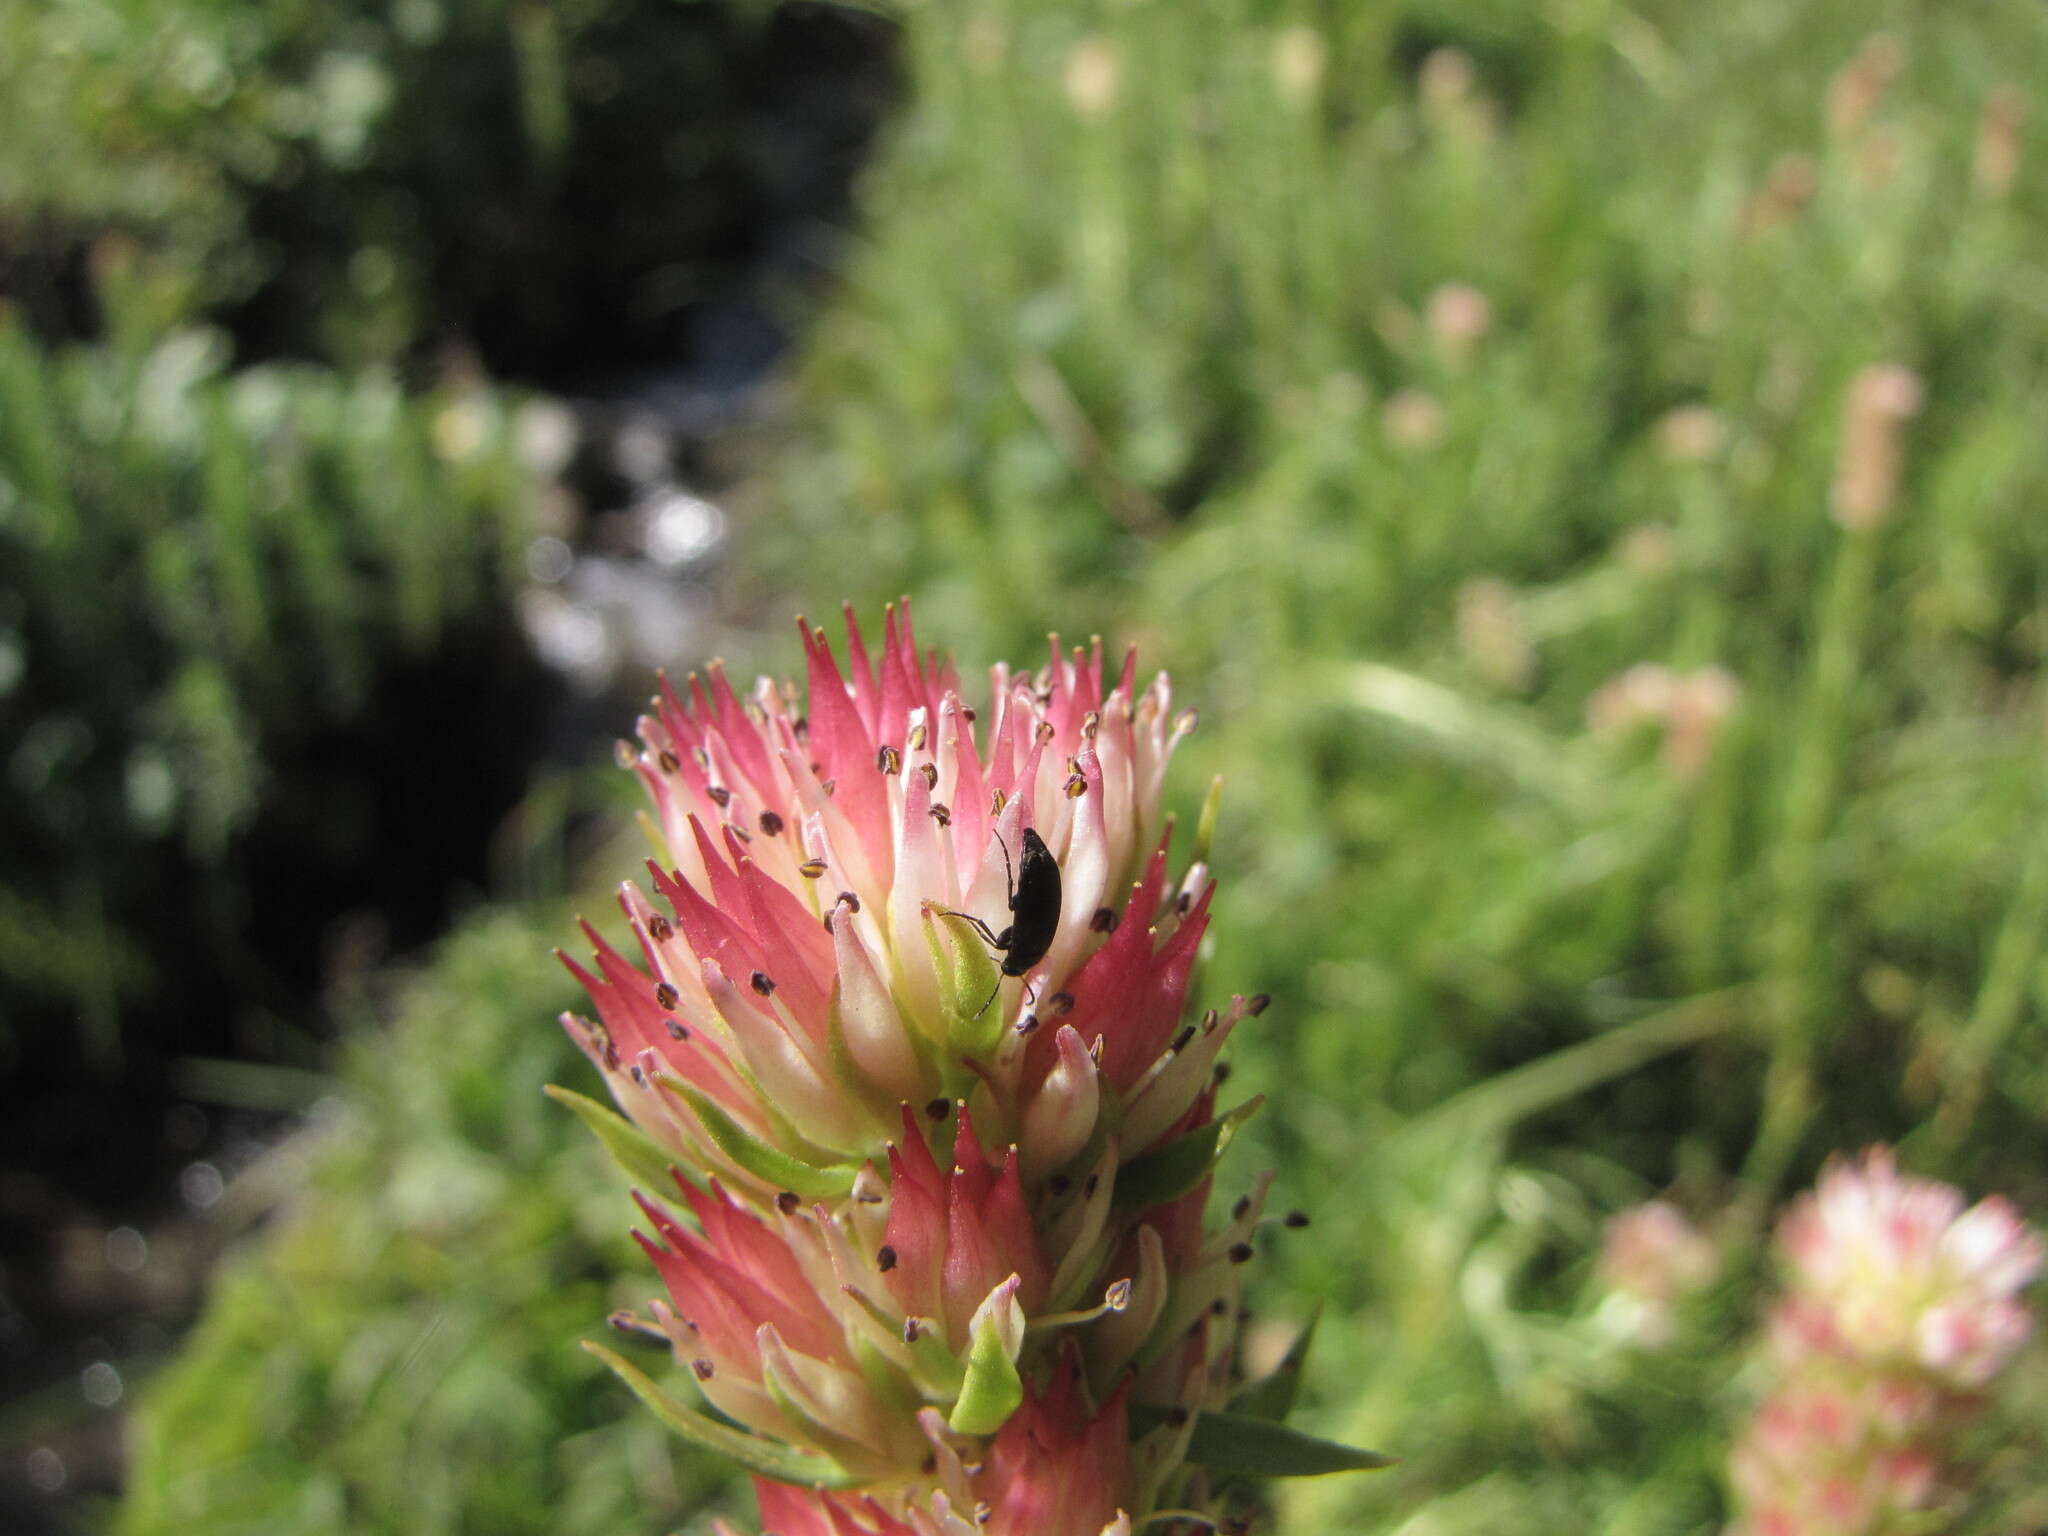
940,1229
1901,1309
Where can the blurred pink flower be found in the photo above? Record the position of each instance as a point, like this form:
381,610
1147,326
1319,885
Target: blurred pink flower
1816,1462
1650,1257
1892,1271
1901,1309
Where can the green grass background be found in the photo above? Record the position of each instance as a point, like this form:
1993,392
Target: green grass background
1114,351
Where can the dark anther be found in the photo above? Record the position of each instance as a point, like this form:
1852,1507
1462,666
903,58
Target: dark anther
1241,1253
666,996
1176,1416
639,1076
828,786
788,1201
1182,902
1295,1219
967,713
1088,1189
1222,1073
739,832
611,1054
885,1258
811,869
1237,1211
938,1109
1061,1002
1180,1041
1258,1004
720,795
771,824
889,760
1104,920
1219,1308
931,775
704,1369
1027,1024
669,761
1058,1184
852,901
762,983
1076,787
911,1331
660,929
677,1030
941,815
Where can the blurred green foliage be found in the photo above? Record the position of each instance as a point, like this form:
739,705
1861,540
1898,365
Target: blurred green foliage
205,576
397,1353
1151,333
551,186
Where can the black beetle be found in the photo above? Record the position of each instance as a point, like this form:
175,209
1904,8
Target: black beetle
1034,910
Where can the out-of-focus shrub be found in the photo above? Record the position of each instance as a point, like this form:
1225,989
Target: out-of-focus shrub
224,599
557,188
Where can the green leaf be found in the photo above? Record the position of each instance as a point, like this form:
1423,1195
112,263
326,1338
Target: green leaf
770,1459
1205,826
935,1369
1271,1397
993,1388
1182,1164
1232,1444
644,1162
772,1166
968,979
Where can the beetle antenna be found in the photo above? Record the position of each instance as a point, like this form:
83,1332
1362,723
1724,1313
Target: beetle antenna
991,996
1009,870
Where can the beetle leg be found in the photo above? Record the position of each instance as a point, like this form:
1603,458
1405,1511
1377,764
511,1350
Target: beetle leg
979,927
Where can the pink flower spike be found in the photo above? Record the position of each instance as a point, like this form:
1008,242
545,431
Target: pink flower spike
951,1328
1901,1310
